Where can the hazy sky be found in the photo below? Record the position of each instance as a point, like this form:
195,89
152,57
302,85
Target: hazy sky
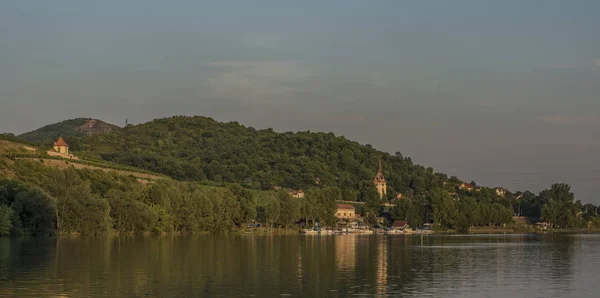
506,93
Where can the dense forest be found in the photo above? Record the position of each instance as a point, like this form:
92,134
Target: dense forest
202,149
223,179
43,200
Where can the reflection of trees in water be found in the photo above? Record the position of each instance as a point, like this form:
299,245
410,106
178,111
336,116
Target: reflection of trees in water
556,259
22,258
265,266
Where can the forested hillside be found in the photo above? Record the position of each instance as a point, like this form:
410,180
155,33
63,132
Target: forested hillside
39,197
73,127
200,148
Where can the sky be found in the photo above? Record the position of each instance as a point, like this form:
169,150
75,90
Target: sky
505,93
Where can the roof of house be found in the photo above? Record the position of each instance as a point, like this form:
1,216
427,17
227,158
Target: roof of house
346,206
61,143
399,224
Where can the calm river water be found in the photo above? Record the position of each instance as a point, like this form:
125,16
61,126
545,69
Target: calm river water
302,266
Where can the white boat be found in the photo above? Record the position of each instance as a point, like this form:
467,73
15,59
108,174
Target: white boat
309,231
394,231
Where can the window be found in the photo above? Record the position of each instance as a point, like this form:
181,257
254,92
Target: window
344,213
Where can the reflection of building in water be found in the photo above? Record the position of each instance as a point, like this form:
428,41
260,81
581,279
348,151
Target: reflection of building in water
345,251
299,269
382,265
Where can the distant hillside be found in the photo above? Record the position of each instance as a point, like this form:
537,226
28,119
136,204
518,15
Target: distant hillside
200,148
13,150
73,127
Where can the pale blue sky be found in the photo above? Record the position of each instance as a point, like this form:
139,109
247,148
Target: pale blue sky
505,92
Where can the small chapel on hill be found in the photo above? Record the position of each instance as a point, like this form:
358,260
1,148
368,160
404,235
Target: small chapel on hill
60,146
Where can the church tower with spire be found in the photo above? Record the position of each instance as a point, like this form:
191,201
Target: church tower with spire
380,182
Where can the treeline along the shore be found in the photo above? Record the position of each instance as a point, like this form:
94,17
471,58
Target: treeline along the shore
41,200
45,200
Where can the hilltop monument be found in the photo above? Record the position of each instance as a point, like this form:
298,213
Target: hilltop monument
380,182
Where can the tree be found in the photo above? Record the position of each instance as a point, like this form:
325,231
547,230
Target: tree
444,210
35,210
558,207
272,212
290,209
6,213
247,204
408,209
468,214
308,210
369,195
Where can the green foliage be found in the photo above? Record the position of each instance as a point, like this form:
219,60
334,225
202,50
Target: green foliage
35,210
321,204
32,210
12,138
202,153
6,214
200,148
559,208
272,211
444,209
289,209
409,209
246,210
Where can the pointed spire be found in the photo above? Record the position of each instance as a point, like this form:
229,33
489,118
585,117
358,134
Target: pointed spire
379,178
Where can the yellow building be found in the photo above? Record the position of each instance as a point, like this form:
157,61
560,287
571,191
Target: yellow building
346,211
380,182
61,146
296,193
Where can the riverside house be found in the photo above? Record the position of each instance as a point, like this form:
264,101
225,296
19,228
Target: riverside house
346,211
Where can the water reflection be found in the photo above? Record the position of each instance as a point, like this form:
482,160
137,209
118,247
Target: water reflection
301,266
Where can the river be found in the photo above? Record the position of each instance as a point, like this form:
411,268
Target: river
302,266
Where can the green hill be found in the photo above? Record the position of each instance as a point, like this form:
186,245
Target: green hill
200,148
73,127
41,194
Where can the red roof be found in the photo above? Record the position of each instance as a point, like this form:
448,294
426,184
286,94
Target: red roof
346,206
61,143
399,224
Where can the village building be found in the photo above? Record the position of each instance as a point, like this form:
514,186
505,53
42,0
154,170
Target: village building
380,182
296,193
400,225
501,192
346,211
543,225
467,187
60,146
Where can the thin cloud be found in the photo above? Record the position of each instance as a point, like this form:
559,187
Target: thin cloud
593,65
258,79
570,119
596,64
